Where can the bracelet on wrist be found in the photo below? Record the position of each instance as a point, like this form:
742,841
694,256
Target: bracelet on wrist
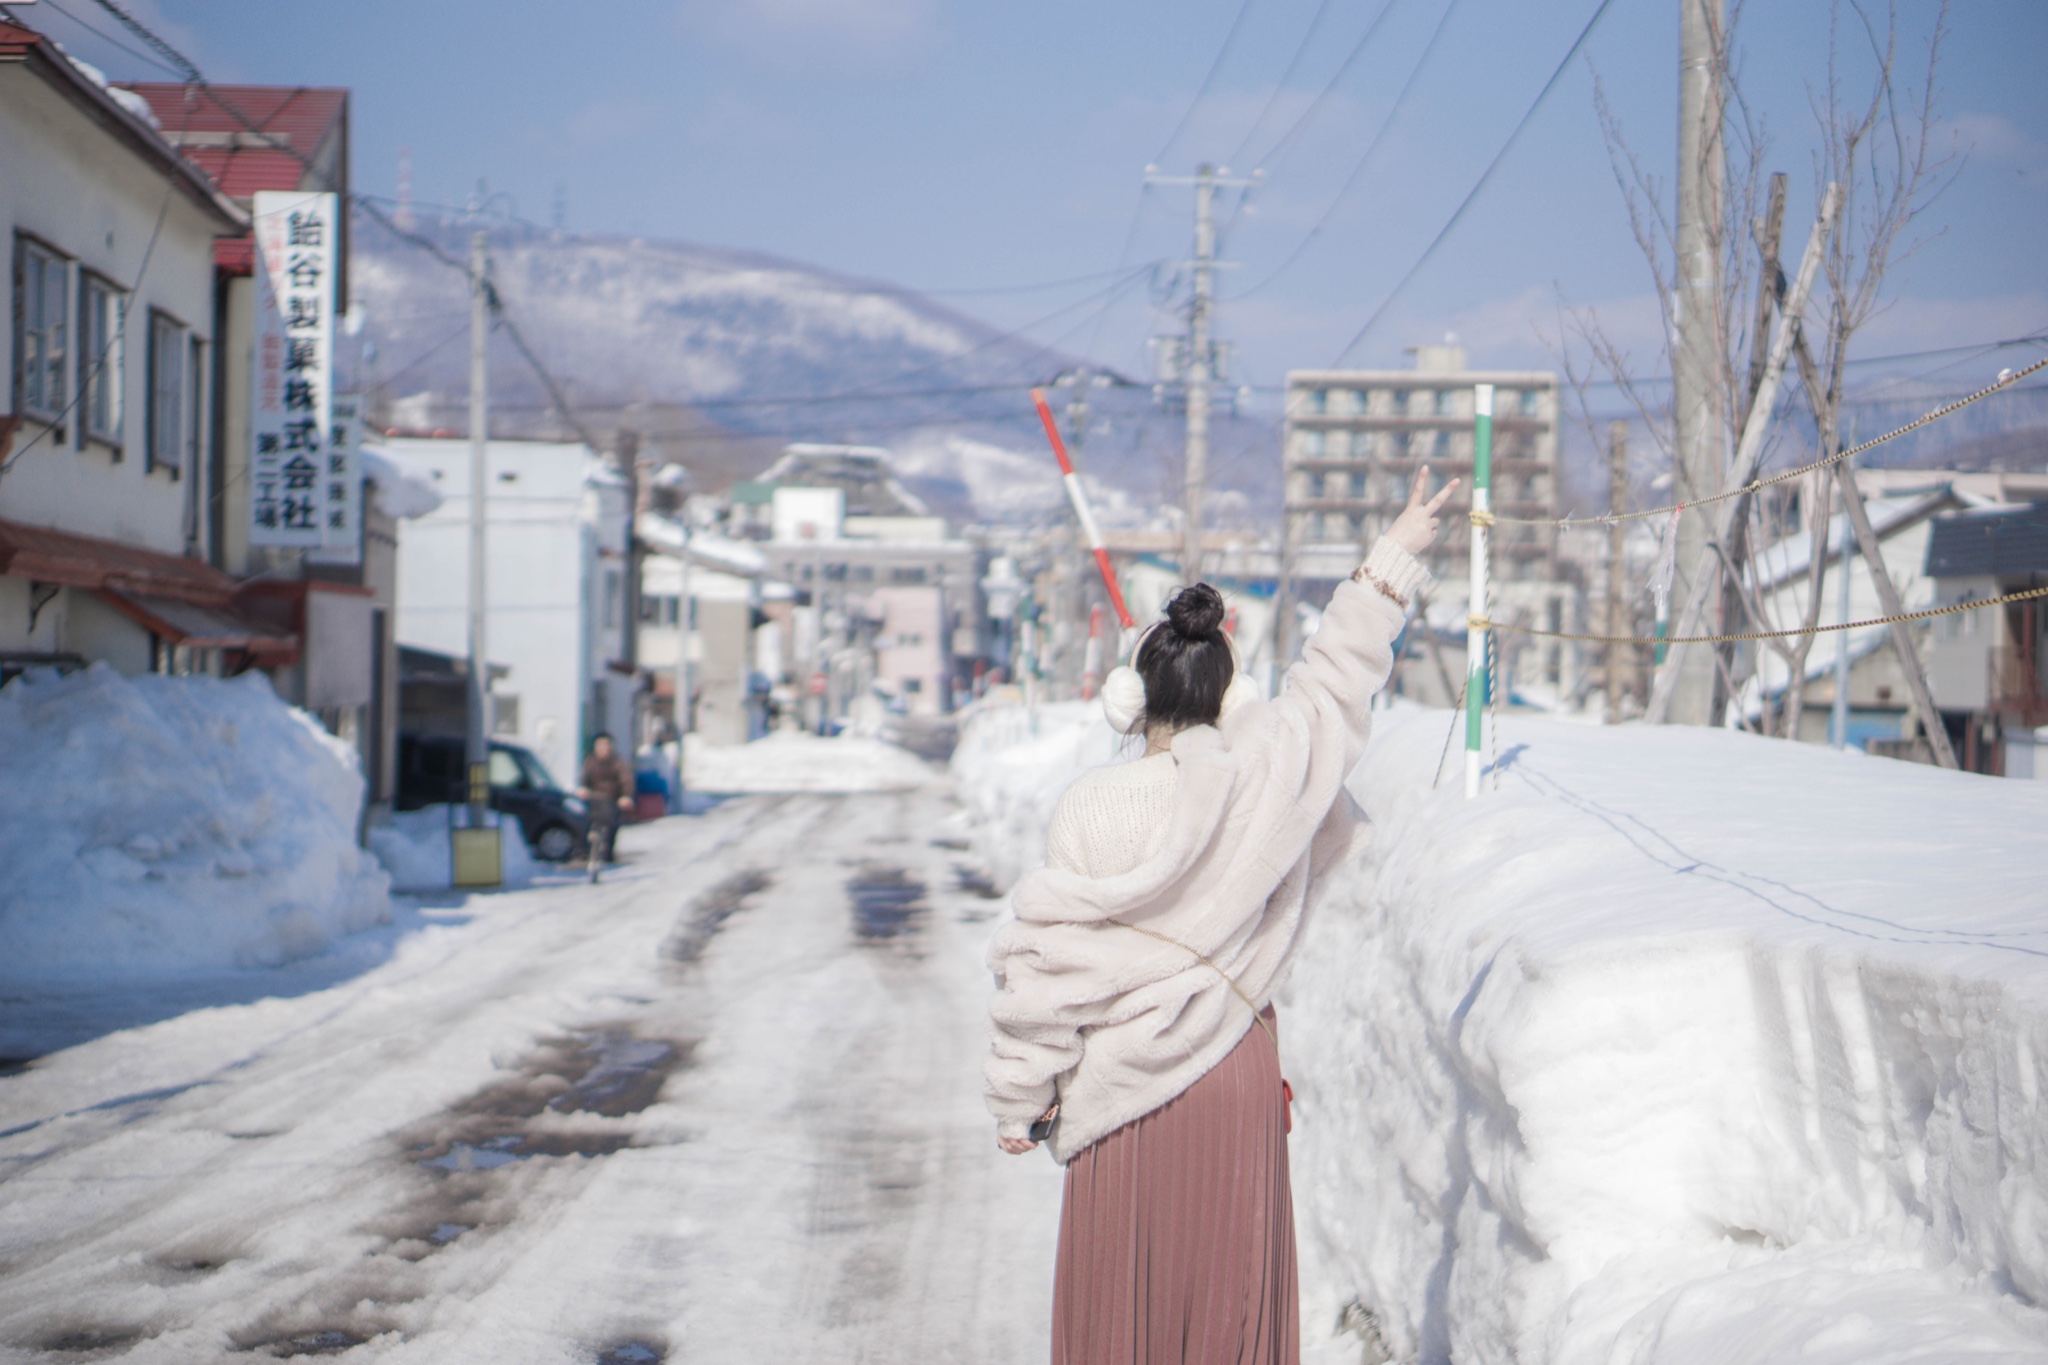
1364,574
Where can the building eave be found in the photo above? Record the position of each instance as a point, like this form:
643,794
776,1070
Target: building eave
33,51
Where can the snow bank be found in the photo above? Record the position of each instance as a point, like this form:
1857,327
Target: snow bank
415,849
1011,764
786,762
154,827
1683,1046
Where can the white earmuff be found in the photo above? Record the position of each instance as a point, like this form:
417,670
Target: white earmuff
1123,698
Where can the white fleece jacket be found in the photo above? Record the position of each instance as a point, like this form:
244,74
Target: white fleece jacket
1114,1023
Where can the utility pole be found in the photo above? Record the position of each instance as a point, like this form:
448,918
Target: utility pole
1197,367
479,739
1617,566
628,442
1696,359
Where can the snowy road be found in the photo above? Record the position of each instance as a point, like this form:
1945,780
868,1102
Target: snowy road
723,1107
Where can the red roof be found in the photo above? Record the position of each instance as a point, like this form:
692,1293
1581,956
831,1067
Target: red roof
255,137
183,600
259,150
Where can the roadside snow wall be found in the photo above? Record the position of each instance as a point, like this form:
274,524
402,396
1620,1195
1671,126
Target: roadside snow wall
1011,764
1681,1047
154,827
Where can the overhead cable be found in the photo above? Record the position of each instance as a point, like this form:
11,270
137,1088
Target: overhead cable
1478,186
1365,158
1202,91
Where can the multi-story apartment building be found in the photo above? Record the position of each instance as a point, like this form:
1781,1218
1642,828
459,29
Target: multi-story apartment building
1354,439
1352,442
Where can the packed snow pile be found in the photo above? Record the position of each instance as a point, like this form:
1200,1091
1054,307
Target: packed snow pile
156,827
797,762
415,848
1011,764
1682,1046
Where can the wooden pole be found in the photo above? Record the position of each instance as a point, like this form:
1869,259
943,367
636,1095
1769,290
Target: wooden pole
1747,456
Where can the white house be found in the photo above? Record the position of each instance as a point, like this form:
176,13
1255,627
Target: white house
703,638
556,560
1879,705
110,363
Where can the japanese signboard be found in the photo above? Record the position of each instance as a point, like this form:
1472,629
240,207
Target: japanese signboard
292,498
342,485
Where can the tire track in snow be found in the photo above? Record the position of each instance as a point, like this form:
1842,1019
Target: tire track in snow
191,1220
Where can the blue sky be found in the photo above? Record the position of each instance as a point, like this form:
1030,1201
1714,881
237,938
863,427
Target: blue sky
956,147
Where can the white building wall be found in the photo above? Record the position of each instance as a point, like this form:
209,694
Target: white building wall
71,186
551,509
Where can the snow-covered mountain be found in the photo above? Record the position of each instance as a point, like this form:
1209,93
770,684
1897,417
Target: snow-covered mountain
721,356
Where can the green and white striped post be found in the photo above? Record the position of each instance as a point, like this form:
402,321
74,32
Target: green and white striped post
1475,630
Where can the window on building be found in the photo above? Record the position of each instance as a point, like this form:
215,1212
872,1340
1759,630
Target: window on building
100,361
1311,444
863,573
168,438
611,597
1439,444
1531,402
1400,443
906,575
1401,402
42,310
1441,402
671,610
1318,401
1358,486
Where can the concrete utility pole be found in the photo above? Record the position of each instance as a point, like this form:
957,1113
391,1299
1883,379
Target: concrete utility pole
1617,566
479,751
1198,364
1200,372
1696,378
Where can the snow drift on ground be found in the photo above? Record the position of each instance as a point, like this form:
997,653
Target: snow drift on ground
415,849
154,826
796,762
1683,1046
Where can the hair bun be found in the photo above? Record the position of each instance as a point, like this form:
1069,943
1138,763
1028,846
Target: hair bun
1196,612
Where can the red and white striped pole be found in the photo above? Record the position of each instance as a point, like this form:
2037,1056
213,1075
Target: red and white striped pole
1079,498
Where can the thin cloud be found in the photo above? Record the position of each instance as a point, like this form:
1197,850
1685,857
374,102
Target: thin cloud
809,33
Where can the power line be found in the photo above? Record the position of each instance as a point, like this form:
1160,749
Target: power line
178,60
1202,91
1485,176
1280,148
111,41
1280,86
1365,158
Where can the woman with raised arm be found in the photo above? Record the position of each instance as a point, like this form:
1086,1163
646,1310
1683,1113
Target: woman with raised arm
1133,1025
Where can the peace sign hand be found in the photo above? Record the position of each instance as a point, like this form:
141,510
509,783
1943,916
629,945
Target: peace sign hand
1417,525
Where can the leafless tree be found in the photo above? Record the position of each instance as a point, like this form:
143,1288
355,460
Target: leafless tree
1880,142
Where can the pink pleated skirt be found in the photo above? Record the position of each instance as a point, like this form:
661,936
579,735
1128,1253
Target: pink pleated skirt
1177,1230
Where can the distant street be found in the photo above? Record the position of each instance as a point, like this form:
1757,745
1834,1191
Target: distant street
722,1107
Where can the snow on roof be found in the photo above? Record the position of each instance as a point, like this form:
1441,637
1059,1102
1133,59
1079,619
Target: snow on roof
1788,558
668,537
400,492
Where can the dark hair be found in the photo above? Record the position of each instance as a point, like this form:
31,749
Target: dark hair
604,735
1186,661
